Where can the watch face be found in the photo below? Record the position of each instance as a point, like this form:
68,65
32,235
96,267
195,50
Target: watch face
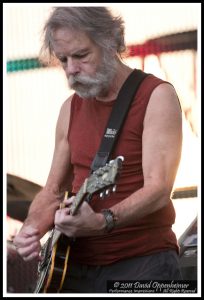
109,217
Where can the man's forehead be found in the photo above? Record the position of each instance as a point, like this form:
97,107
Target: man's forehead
66,33
70,40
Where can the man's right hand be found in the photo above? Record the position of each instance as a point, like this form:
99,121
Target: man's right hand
27,243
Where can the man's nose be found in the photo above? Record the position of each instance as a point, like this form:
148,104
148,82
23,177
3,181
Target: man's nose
72,67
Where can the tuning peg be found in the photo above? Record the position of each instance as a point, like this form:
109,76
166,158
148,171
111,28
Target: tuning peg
102,195
121,157
114,189
107,192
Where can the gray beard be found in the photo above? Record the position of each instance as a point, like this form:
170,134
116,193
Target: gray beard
98,85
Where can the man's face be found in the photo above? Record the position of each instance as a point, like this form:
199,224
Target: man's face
83,62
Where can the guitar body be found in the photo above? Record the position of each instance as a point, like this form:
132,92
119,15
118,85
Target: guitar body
54,270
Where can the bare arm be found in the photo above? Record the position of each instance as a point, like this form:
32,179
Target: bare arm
162,140
43,207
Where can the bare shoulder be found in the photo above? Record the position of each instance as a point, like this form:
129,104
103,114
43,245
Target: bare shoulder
63,118
66,107
162,136
58,177
163,104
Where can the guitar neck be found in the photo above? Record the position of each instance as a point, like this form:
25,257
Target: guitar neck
79,198
55,236
100,179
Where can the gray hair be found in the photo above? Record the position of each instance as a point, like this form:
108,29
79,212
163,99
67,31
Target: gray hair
106,30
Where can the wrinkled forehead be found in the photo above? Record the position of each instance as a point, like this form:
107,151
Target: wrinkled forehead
68,34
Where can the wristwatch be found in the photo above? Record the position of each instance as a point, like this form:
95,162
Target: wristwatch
109,218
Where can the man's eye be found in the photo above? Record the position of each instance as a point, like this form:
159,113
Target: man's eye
80,56
63,59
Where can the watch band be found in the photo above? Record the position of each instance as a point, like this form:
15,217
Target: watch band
109,218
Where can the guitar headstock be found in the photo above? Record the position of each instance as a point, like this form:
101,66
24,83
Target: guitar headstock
104,177
100,180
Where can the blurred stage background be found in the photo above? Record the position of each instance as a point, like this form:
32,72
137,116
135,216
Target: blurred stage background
161,38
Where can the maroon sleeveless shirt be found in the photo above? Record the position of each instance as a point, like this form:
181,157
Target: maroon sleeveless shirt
147,235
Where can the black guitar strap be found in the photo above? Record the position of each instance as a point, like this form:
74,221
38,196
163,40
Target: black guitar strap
117,117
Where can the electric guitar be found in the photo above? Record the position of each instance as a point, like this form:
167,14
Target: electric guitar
55,252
